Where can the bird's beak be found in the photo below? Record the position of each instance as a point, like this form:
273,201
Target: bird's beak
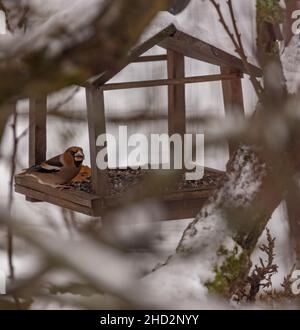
79,156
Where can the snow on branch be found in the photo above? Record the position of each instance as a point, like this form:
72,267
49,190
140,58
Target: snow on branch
67,48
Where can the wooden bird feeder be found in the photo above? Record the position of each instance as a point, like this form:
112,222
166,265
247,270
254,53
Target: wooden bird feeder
178,204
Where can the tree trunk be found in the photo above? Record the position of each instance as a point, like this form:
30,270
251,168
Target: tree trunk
257,179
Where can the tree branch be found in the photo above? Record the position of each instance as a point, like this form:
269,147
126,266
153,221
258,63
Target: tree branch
29,71
237,42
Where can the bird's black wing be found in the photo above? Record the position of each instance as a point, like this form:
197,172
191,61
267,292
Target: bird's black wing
50,166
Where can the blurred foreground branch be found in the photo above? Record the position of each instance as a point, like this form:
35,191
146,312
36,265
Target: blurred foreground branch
29,66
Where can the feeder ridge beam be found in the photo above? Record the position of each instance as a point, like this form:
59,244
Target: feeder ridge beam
150,58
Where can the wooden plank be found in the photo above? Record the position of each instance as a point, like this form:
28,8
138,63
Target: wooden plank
192,47
169,82
44,197
176,210
213,171
97,126
112,201
174,206
170,209
176,93
183,209
233,99
176,100
150,58
188,195
75,196
177,205
37,130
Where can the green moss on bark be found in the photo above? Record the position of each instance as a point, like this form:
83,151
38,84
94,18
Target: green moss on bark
234,267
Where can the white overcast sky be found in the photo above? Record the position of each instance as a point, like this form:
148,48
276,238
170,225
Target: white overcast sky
2,22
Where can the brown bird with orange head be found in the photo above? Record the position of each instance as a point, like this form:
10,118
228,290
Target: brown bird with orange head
60,169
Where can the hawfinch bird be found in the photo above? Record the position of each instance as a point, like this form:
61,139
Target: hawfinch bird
58,170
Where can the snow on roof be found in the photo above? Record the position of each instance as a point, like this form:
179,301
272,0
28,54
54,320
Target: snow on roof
200,20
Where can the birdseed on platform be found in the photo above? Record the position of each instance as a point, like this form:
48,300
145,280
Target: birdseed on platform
121,180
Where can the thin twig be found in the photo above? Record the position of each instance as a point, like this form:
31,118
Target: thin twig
237,42
10,196
234,23
60,104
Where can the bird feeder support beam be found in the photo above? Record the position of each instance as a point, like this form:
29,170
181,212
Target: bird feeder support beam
37,130
97,126
176,99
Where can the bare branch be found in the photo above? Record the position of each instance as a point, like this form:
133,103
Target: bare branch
67,99
237,42
27,71
10,196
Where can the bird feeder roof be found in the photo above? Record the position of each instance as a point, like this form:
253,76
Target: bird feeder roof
174,39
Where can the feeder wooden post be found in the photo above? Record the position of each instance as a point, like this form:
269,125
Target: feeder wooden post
176,100
37,130
233,99
97,126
